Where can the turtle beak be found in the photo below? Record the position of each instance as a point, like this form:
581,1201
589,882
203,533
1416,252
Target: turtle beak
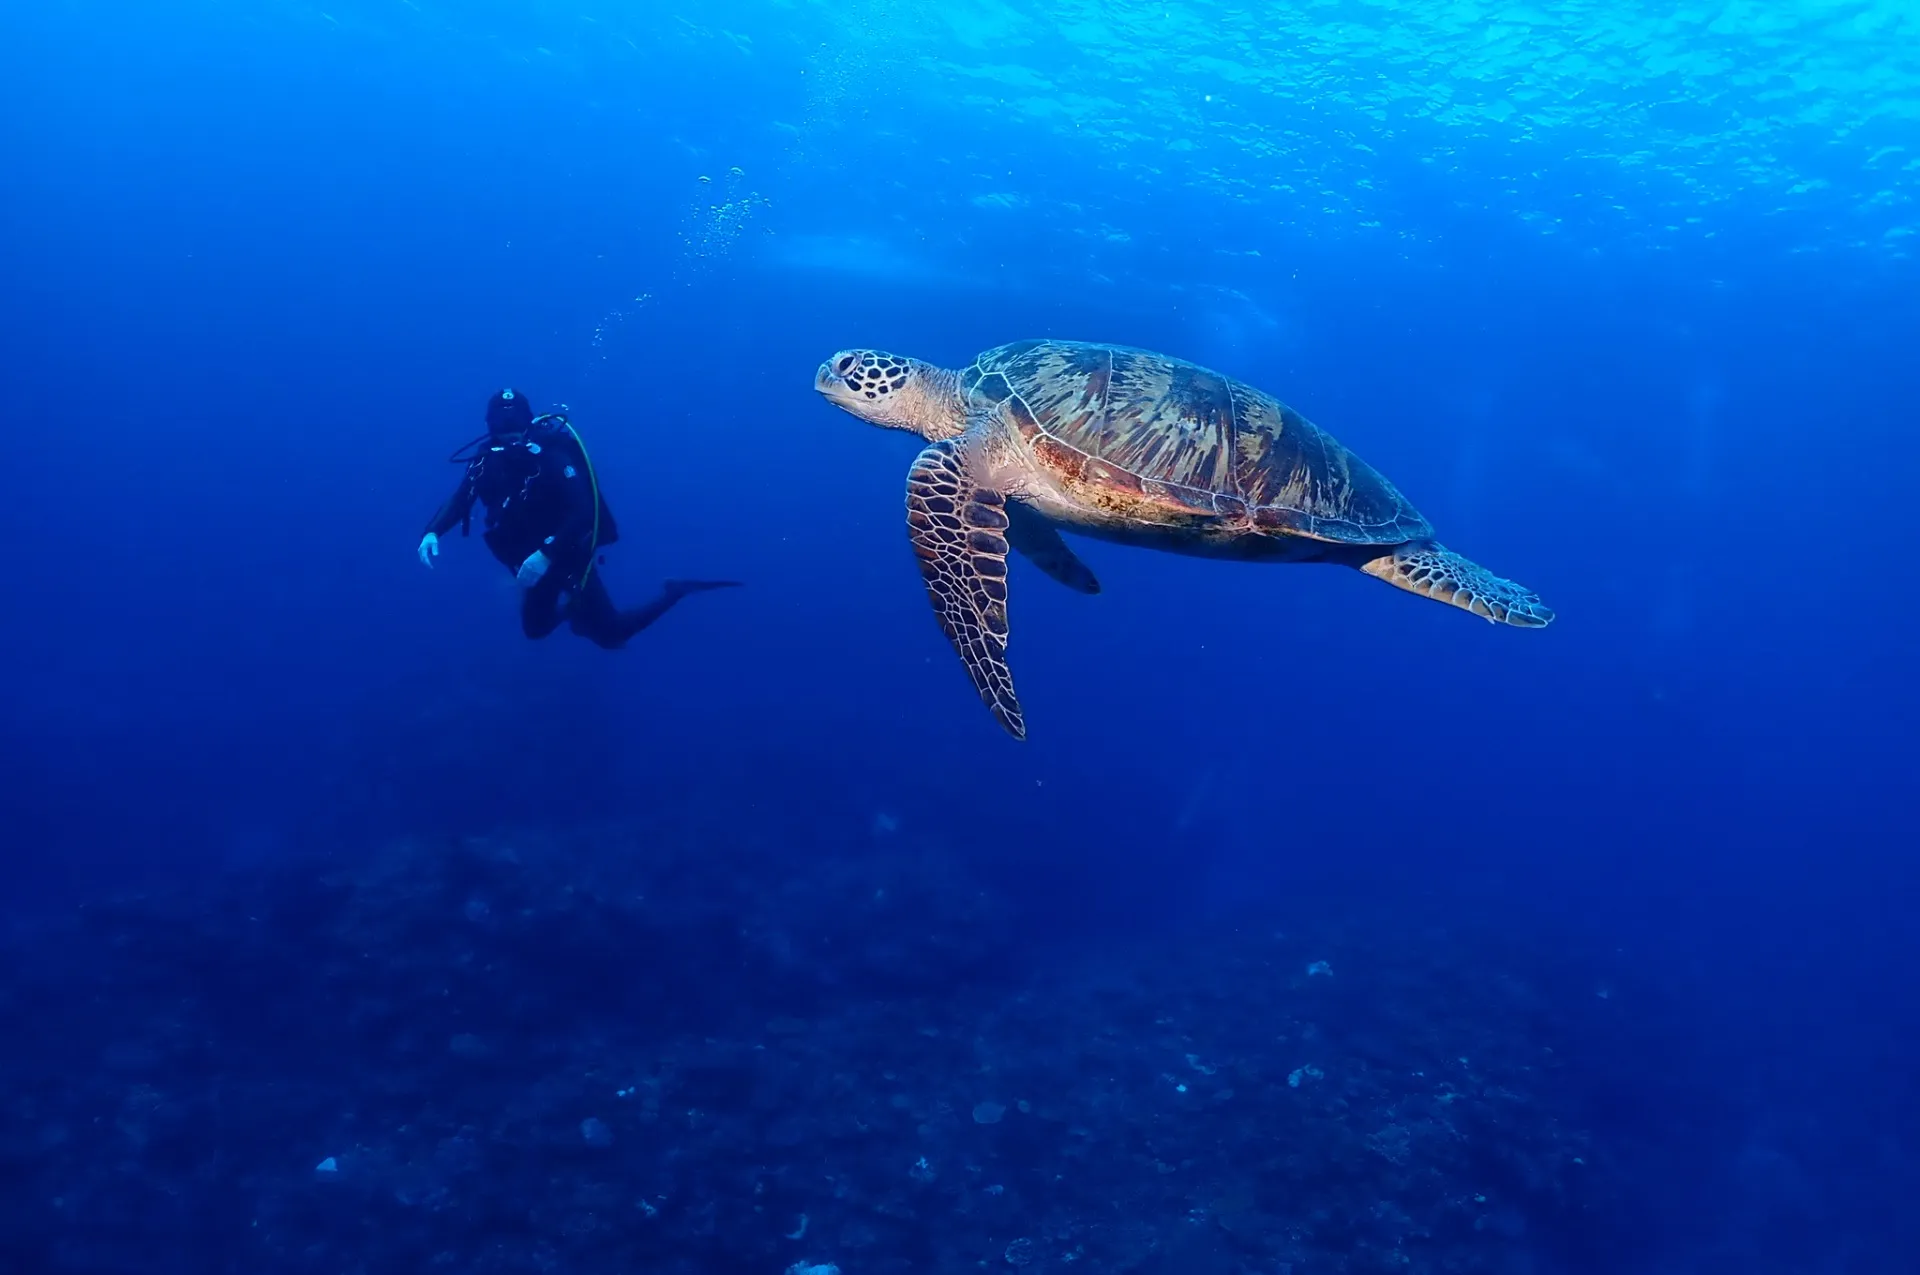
829,382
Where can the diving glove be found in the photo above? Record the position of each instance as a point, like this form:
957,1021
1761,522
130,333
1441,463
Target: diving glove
429,549
532,569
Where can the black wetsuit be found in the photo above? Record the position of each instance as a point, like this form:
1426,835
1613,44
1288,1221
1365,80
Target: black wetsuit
539,496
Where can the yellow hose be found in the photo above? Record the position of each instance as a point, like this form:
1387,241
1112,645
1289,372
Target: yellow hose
593,481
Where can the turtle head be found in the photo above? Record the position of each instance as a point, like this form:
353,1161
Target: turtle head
894,392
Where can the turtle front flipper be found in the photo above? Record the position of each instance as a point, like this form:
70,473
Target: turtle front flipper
959,533
1039,542
1436,572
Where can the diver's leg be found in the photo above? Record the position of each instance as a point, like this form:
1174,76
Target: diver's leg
592,616
540,606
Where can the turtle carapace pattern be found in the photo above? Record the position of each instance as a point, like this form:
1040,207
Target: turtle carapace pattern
1135,447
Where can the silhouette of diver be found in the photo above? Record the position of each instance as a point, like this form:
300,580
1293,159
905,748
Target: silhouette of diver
547,522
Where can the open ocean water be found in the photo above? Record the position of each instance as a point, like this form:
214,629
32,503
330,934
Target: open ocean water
1315,928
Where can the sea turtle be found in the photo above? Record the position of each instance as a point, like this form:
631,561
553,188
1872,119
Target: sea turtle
1134,447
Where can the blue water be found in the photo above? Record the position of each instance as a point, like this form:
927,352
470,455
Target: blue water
1627,304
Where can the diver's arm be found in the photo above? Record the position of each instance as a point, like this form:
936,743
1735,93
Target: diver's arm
458,505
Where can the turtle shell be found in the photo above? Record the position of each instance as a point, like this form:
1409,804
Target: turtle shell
1130,423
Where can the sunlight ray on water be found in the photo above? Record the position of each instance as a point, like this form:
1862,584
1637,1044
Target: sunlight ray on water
1585,119
1791,127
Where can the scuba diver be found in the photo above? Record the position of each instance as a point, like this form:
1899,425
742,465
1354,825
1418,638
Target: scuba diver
547,521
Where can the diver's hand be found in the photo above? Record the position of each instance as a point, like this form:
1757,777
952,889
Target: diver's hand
532,569
429,550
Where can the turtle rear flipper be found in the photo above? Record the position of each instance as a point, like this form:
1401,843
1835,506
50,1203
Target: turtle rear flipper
959,533
1434,571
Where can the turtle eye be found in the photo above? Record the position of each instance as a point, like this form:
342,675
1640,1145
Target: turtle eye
845,364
